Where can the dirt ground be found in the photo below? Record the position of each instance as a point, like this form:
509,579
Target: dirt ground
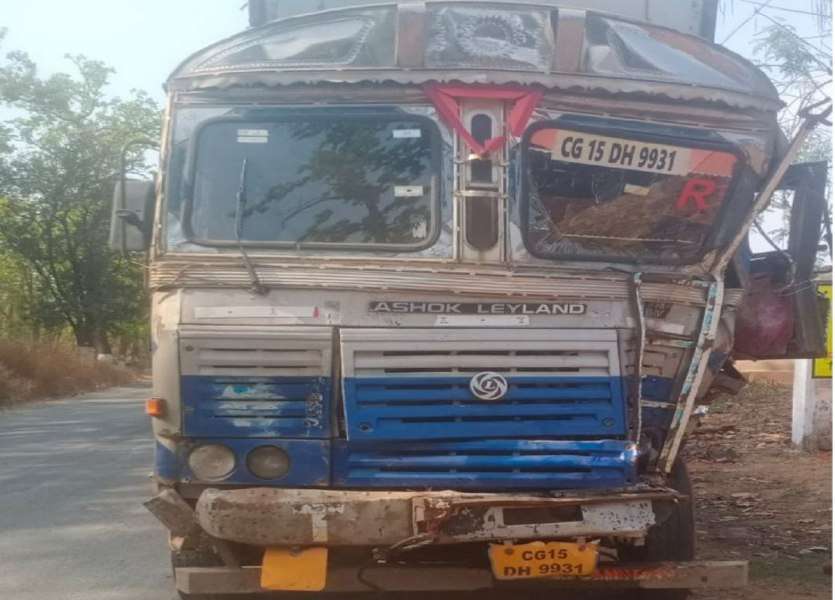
757,499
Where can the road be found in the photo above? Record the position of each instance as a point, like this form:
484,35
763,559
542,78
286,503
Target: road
73,474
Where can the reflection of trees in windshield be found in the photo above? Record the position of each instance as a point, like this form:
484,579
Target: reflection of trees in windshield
341,186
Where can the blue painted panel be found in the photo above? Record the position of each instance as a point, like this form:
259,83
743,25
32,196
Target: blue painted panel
420,408
657,389
656,420
166,463
256,407
485,465
309,462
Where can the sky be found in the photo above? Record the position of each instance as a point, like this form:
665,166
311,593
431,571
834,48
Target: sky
144,40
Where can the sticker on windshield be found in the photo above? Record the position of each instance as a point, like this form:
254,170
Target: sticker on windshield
618,153
253,136
402,134
408,191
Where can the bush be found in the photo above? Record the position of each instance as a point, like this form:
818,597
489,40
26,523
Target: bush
50,370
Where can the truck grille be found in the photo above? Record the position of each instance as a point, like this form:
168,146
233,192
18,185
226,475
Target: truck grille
490,464
415,384
256,382
260,352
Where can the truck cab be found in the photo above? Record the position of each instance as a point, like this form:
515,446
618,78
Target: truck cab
437,288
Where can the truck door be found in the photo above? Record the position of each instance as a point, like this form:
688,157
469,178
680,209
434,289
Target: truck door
783,315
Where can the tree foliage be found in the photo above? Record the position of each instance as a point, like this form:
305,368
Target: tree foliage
802,73
800,65
59,160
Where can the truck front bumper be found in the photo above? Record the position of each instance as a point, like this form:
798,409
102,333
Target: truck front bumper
398,578
387,520
296,517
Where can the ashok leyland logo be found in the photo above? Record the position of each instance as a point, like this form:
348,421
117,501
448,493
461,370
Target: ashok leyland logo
488,386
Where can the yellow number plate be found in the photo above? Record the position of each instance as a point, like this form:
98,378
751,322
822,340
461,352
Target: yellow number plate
540,559
289,570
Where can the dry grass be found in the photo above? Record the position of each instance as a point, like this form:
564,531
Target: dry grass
31,371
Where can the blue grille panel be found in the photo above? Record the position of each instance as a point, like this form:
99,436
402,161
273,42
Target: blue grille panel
485,465
418,408
256,407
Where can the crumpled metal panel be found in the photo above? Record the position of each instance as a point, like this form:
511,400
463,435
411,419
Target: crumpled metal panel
465,37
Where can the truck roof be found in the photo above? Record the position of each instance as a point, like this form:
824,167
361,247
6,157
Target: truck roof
493,43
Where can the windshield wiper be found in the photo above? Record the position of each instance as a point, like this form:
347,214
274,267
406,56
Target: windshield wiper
240,206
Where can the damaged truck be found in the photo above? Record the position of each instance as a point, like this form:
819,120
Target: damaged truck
439,289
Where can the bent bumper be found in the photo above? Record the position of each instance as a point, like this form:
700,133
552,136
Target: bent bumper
294,517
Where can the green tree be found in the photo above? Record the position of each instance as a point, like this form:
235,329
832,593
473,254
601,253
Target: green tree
800,65
59,160
802,72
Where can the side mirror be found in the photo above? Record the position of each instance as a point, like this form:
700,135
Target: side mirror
132,219
133,215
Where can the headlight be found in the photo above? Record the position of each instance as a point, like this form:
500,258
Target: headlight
268,462
211,462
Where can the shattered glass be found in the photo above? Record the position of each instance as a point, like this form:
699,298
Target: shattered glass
637,201
463,37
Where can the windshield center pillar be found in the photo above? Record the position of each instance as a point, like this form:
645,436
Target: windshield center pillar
480,185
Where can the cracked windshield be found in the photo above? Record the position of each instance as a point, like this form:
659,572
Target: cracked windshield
595,195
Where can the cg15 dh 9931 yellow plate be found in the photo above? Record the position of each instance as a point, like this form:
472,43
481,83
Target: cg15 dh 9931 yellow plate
304,570
540,559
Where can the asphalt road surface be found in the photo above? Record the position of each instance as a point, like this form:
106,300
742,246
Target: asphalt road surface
73,475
